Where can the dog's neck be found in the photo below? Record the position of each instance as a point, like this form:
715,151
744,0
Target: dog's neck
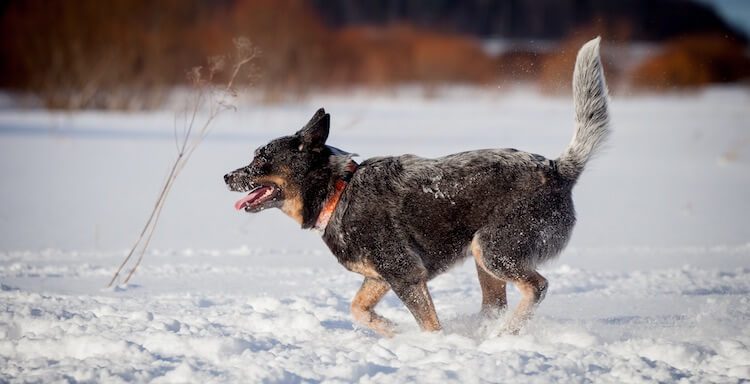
331,202
330,205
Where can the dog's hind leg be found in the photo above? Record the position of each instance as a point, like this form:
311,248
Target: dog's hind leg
363,306
493,293
489,249
493,289
533,287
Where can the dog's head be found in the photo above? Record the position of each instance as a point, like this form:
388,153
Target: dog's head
292,173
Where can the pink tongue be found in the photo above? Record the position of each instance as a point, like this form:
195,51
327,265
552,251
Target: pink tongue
247,200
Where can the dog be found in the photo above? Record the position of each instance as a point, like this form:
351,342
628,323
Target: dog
400,221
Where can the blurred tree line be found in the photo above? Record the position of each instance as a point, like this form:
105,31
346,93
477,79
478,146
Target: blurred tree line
645,20
129,54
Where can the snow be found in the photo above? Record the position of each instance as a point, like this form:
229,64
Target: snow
654,286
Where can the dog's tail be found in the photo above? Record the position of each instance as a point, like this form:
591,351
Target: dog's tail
592,116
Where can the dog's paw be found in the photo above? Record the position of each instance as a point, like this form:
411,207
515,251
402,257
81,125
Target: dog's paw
489,313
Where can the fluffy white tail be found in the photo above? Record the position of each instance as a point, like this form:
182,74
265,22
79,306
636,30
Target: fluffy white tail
592,116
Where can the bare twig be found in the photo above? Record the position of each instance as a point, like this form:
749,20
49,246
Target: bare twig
219,99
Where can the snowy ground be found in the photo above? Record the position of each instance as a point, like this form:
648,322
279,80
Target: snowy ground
655,285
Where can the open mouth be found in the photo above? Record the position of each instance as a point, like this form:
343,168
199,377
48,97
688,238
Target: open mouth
255,200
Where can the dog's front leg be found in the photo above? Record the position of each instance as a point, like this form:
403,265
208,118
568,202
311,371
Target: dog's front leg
363,306
417,298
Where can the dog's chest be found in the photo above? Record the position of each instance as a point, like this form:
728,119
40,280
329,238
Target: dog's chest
338,241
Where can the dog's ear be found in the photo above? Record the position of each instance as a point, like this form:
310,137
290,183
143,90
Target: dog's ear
315,133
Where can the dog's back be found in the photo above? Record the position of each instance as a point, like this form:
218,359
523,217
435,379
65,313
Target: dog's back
436,206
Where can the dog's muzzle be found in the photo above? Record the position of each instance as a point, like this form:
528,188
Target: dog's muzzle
261,195
238,180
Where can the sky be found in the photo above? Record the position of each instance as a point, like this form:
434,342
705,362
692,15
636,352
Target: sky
736,12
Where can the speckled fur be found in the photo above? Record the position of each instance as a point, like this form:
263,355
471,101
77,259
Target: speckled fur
403,220
409,214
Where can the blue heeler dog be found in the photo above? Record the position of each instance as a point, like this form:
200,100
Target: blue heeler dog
400,221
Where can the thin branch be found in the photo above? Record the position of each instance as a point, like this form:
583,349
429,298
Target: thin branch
151,234
154,212
218,101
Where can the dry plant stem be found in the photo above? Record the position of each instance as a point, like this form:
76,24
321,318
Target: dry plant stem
218,103
156,211
179,164
154,214
167,188
153,219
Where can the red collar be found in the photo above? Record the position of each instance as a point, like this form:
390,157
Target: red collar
330,204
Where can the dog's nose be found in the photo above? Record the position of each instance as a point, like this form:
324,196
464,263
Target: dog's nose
227,178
